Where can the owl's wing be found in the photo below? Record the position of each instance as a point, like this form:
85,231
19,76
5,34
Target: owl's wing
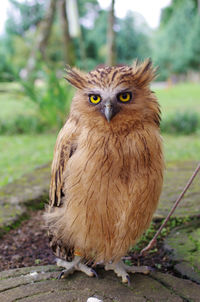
66,145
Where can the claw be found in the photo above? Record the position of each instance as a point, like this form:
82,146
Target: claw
128,280
74,265
95,273
151,269
122,270
61,275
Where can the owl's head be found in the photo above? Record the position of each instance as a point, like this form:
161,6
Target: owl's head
115,95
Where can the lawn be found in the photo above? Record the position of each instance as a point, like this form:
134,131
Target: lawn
181,147
13,102
180,98
22,153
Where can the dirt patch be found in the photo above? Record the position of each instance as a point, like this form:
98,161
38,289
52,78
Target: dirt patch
28,245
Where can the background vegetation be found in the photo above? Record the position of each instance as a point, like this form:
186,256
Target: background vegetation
40,39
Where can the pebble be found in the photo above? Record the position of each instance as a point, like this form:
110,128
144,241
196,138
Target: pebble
93,299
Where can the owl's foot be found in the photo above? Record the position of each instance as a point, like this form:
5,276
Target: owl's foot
122,270
74,265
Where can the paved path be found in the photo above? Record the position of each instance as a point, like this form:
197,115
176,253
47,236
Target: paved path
39,284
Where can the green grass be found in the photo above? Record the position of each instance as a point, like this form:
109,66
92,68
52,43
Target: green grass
181,148
13,102
182,97
22,153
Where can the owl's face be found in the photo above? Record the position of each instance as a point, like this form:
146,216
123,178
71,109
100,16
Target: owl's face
108,101
115,94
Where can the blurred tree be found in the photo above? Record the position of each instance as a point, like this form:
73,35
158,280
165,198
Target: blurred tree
68,46
87,8
194,44
111,54
6,69
175,5
40,44
27,37
132,41
177,42
96,48
24,16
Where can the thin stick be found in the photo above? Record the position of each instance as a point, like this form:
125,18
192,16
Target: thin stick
153,241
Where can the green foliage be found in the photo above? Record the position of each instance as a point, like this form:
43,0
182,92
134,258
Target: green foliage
6,69
41,105
168,11
24,16
22,124
86,6
177,42
194,45
95,49
181,123
25,153
53,99
154,226
134,42
131,41
21,33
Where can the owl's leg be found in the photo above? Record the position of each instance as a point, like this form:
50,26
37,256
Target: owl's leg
122,270
74,265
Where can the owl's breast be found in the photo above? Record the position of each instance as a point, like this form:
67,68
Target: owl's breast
112,186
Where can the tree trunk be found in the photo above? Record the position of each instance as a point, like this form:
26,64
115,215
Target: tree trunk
111,55
198,4
69,54
44,30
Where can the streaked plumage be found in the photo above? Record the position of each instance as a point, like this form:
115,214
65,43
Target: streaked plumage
106,176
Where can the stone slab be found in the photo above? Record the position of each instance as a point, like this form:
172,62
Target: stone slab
30,187
175,178
15,198
183,243
9,214
40,283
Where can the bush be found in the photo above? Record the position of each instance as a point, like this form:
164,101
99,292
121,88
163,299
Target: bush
181,123
53,99
22,124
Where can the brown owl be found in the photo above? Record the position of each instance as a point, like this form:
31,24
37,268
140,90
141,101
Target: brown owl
107,171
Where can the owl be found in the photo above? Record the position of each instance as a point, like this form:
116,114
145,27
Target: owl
107,170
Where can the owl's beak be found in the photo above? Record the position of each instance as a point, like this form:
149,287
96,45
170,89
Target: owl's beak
108,110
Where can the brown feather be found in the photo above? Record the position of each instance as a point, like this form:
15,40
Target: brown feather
106,177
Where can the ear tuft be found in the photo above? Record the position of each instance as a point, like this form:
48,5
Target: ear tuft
76,77
144,72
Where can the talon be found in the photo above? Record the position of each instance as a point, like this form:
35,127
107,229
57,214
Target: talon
60,276
128,280
148,270
95,273
151,269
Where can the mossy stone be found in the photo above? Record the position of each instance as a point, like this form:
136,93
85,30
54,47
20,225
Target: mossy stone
175,178
184,244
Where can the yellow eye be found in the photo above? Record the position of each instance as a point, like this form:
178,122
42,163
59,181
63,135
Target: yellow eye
124,97
94,98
